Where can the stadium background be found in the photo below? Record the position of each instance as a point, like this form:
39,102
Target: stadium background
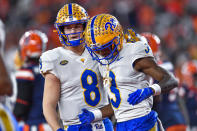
174,21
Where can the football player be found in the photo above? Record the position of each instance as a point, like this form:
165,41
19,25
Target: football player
173,118
126,68
189,71
30,83
72,78
7,120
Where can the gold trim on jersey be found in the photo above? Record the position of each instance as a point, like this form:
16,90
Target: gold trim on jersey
154,128
94,95
91,81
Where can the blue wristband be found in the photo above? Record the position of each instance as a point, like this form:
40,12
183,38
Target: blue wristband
60,129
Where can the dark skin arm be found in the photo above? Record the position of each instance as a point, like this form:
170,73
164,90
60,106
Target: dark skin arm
5,82
107,111
149,67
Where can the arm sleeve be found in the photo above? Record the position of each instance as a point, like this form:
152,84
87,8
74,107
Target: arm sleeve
24,98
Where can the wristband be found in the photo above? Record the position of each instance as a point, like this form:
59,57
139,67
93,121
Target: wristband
97,115
156,88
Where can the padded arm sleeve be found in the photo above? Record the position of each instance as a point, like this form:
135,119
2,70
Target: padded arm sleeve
24,98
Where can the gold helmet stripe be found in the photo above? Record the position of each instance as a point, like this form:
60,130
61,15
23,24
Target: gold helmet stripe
92,29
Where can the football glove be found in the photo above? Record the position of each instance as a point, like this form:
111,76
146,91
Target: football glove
139,95
86,117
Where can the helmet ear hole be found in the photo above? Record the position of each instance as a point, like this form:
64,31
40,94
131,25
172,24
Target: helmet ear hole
63,37
84,25
61,28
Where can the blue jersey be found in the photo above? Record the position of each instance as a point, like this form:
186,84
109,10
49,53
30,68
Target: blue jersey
30,84
168,108
191,104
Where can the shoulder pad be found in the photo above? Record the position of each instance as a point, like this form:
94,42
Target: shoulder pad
50,55
140,47
48,61
137,50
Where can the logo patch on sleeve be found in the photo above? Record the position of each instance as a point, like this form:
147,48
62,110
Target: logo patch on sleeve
63,62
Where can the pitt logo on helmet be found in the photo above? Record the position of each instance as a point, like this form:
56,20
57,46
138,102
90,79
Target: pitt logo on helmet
104,38
112,24
70,14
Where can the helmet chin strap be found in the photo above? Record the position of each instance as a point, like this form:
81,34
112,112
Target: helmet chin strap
75,42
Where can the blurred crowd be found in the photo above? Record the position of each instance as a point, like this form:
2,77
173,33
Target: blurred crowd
174,21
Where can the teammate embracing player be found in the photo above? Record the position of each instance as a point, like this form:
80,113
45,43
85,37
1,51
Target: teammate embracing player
126,68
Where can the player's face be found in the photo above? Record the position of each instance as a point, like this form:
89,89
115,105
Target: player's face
104,52
73,30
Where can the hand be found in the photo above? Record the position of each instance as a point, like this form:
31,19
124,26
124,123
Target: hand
139,95
86,117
